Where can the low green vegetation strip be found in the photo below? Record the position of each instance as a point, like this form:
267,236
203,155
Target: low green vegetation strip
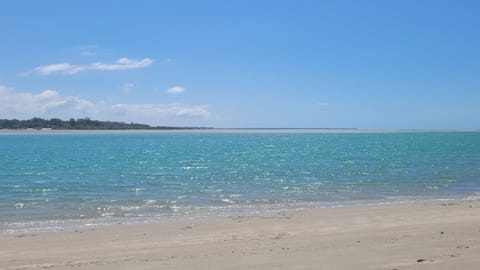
78,124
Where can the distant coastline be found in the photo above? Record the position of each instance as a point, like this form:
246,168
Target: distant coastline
86,125
220,131
40,124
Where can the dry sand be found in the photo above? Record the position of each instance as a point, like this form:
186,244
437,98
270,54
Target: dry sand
408,236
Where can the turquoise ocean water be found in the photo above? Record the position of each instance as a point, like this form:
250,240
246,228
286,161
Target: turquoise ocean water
51,181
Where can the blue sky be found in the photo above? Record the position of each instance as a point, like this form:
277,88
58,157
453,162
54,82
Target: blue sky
363,64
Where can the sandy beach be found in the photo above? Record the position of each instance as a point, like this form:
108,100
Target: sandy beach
440,235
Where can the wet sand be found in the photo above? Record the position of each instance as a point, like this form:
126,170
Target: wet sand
441,235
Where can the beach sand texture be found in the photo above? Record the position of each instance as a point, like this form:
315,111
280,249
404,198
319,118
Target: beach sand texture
441,235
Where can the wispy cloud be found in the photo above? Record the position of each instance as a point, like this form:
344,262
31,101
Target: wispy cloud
162,111
121,64
176,90
66,68
128,87
63,68
86,50
321,104
88,53
50,103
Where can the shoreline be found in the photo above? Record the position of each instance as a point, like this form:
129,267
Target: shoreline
214,212
438,235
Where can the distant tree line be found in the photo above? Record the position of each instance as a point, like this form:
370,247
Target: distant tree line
80,123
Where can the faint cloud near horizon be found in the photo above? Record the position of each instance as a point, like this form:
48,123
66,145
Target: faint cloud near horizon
50,103
176,90
69,69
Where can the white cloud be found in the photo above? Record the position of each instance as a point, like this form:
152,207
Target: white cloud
176,90
66,68
50,103
128,87
122,63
